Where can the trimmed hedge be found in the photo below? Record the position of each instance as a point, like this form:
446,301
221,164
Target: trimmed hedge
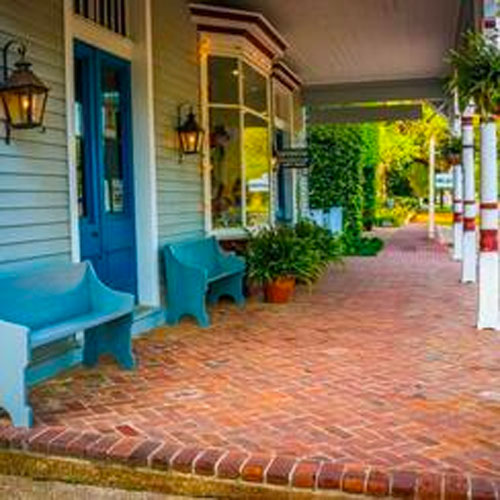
344,159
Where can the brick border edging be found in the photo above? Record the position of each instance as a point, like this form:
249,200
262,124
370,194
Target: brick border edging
264,469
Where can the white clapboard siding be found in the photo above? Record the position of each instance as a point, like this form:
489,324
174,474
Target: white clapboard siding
34,199
176,80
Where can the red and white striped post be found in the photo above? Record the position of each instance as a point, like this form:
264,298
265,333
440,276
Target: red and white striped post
458,211
469,258
488,302
458,187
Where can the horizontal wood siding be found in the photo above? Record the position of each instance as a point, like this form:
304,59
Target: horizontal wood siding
176,80
34,200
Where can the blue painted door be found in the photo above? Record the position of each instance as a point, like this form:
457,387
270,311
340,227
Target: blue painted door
104,166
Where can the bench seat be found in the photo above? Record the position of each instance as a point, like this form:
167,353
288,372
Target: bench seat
62,330
41,306
197,271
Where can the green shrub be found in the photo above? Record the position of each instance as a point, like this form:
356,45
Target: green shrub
277,252
302,252
363,246
397,214
329,246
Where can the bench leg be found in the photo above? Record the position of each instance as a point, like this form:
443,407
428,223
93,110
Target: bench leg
197,308
112,338
14,359
232,287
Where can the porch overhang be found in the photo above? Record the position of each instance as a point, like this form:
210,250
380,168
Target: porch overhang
364,114
378,91
353,51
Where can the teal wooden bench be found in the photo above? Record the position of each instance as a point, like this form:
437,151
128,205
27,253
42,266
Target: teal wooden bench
197,271
46,305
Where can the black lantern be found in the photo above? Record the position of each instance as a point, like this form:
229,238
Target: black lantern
189,132
23,94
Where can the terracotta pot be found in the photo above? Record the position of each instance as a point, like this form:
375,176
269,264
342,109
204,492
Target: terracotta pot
279,291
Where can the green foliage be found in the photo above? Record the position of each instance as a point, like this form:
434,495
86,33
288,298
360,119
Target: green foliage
476,75
370,161
418,177
329,246
336,179
402,144
398,213
363,246
452,148
302,253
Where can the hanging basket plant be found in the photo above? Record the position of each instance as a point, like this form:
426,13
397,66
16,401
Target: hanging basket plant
452,150
476,72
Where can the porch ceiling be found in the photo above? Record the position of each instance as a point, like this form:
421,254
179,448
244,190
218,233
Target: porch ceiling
345,41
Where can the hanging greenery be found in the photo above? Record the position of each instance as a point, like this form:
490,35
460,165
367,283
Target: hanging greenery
344,160
476,75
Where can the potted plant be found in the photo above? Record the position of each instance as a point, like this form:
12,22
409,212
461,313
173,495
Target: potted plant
277,258
452,150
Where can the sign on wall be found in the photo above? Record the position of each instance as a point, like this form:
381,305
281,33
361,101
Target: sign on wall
293,158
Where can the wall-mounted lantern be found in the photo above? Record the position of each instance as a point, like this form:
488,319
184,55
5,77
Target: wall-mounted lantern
23,94
189,132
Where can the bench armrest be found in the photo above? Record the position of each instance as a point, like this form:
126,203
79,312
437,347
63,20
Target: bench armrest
189,270
106,298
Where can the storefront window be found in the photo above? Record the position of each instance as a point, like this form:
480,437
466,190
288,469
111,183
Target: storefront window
239,144
226,182
254,89
223,80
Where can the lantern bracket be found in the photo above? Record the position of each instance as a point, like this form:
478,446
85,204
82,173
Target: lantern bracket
5,55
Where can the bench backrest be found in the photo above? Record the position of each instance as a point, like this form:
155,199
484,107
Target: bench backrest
40,297
198,253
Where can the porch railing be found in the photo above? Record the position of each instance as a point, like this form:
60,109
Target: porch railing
110,14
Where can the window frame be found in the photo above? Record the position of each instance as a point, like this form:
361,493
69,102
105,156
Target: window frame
243,109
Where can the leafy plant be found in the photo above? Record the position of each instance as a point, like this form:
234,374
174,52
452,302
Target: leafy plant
336,177
302,252
321,239
476,76
277,252
452,149
363,246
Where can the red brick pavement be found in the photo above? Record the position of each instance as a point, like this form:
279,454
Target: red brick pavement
375,382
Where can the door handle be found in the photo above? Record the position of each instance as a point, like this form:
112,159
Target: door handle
94,234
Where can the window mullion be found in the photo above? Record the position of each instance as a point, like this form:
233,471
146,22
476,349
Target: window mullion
242,145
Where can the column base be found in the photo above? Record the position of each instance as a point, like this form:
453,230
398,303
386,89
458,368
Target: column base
469,259
488,299
457,241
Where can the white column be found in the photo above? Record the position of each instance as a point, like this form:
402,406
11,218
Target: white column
469,258
458,210
488,256
432,191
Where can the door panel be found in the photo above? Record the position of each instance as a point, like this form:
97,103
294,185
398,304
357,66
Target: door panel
104,166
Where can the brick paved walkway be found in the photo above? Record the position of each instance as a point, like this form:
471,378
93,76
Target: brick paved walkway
379,366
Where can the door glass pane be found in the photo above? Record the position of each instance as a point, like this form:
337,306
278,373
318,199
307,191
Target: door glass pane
257,167
284,195
112,141
226,168
81,177
223,77
254,89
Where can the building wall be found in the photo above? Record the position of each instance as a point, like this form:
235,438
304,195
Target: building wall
176,80
34,200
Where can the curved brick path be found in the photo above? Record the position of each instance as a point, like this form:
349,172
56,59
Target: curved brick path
379,368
